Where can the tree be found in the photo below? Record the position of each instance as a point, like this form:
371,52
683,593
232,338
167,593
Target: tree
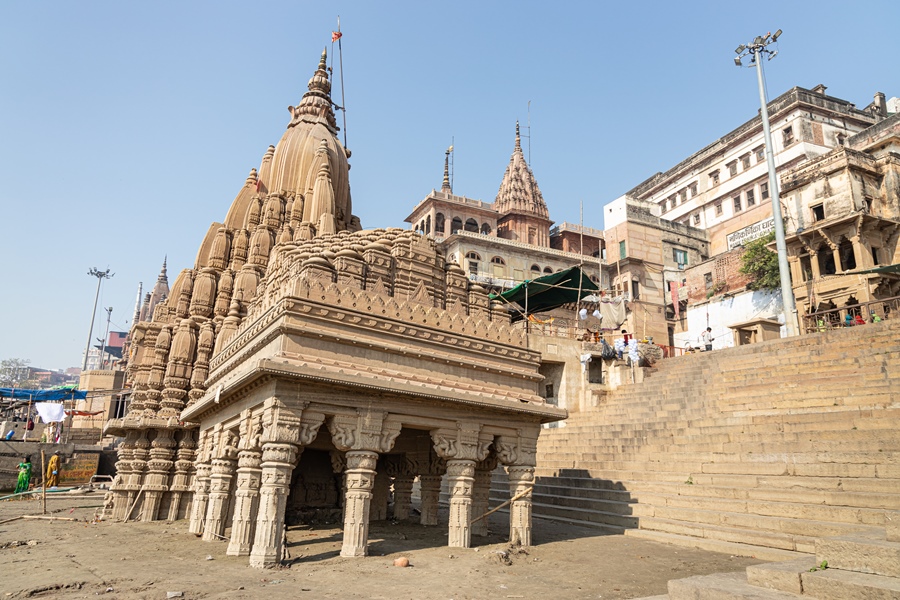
14,372
761,264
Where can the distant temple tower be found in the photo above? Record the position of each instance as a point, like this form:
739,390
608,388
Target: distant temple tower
523,213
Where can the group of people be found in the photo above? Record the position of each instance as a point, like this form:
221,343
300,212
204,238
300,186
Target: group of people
51,476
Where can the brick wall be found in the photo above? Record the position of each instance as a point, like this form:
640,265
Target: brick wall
725,272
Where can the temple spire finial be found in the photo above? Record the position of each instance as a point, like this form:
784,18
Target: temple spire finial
518,137
445,186
323,61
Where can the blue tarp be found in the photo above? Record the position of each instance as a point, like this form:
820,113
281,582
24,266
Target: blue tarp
43,395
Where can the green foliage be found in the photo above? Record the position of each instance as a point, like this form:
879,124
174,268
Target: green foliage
761,264
820,567
14,372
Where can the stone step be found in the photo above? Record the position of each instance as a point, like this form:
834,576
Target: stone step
723,586
714,545
781,576
860,554
712,529
835,584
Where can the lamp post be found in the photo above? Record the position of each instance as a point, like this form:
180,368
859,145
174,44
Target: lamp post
105,339
100,275
756,49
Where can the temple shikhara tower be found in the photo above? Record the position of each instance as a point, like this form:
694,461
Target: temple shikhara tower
304,364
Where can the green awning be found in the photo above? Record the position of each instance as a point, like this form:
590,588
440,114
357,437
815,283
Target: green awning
885,269
548,292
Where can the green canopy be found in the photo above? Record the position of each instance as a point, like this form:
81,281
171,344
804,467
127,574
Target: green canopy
885,269
548,292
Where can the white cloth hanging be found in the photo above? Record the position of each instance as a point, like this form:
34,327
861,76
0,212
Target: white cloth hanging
51,412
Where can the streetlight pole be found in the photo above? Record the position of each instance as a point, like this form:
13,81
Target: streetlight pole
100,275
756,49
105,338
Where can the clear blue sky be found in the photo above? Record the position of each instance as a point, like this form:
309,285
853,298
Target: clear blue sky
127,128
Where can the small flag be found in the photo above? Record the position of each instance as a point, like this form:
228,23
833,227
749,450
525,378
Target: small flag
335,36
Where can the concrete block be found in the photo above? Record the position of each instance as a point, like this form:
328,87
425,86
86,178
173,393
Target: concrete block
783,576
860,554
834,584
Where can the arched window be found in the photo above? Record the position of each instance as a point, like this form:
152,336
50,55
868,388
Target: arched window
485,229
472,225
548,270
535,270
439,223
498,267
428,225
473,260
455,225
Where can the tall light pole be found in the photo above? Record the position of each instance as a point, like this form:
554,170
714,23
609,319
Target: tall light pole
105,338
756,49
100,275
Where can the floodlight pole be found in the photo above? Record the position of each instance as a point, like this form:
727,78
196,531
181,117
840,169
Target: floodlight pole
100,275
757,48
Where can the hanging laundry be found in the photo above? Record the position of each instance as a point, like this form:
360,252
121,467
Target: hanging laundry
50,412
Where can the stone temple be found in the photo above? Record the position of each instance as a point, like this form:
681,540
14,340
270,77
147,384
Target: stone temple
304,364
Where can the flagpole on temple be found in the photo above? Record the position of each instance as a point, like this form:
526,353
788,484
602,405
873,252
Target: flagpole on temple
336,35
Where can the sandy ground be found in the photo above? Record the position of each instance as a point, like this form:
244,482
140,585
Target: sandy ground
85,559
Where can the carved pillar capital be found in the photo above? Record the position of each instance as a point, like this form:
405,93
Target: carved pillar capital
465,442
367,430
518,450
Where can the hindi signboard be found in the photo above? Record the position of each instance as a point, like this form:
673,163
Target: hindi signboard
79,468
749,233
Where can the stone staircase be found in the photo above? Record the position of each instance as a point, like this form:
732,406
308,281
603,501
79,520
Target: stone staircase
757,451
848,567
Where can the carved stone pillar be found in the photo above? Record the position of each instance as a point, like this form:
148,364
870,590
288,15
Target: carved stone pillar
430,491
461,478
139,455
156,483
362,436
284,434
278,462
201,486
246,502
518,453
521,481
220,477
360,476
181,480
461,448
481,494
381,494
400,469
123,475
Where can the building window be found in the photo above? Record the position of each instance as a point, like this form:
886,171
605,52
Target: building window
714,177
693,189
697,219
818,212
764,191
622,249
707,279
760,154
732,168
548,270
635,290
662,205
737,204
455,224
439,223
841,139
498,261
672,201
750,199
472,225
680,256
787,136
745,162
867,205
535,270
719,208
485,229
473,259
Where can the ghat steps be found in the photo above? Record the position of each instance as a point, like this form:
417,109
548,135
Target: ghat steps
757,450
